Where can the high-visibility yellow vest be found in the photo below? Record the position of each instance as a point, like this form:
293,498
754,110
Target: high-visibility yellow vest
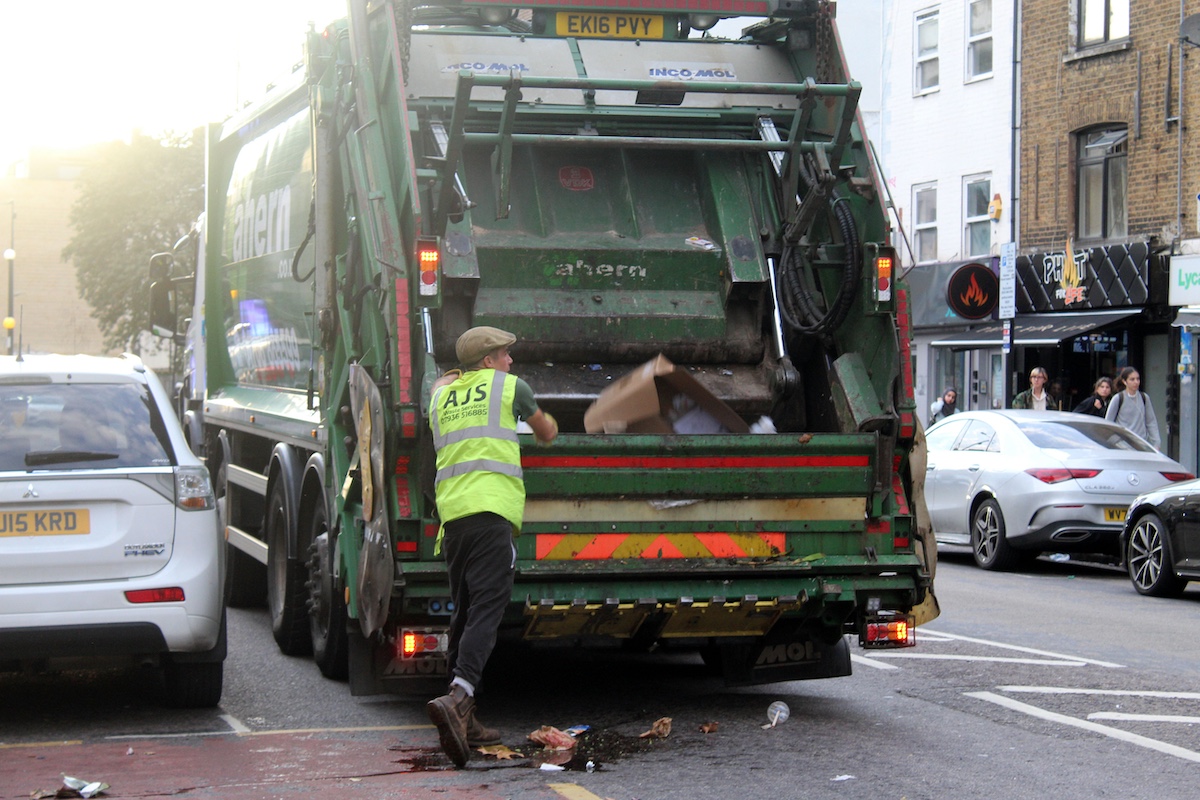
478,454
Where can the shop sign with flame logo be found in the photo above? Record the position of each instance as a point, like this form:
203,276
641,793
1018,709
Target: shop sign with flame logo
973,291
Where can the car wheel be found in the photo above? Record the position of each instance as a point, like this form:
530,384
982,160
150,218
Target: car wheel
989,544
245,578
1148,559
286,593
327,620
193,684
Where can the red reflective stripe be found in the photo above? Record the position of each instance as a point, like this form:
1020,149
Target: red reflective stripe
601,547
720,545
546,542
691,462
879,526
403,341
662,547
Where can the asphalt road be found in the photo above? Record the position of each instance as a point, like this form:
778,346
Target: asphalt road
1059,681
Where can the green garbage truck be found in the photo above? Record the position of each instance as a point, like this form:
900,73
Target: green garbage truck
687,233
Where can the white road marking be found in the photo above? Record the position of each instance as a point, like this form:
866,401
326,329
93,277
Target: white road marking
277,732
1117,715
1034,651
235,723
1109,692
1066,662
870,662
1104,730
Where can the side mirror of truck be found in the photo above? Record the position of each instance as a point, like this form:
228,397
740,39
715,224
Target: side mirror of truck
162,310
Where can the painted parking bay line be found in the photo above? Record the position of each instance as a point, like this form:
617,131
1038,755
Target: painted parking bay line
1158,695
1103,730
572,791
1031,650
1117,716
1044,662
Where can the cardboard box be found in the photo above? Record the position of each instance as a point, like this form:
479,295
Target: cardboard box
659,397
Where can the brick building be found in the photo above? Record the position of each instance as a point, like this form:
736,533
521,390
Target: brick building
1107,196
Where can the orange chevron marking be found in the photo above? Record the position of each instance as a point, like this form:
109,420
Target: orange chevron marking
602,546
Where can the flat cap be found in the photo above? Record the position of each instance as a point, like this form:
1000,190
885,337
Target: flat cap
476,343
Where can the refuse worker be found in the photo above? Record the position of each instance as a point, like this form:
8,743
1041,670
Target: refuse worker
1097,403
944,406
1131,408
481,501
1036,397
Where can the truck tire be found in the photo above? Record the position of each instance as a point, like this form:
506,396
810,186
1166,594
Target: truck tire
286,594
327,617
245,578
1148,559
989,539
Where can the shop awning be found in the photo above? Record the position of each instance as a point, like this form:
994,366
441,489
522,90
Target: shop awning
1037,329
1187,317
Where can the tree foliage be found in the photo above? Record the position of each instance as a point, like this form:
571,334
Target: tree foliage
135,200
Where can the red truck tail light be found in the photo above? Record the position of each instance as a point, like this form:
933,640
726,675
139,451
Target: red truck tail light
422,642
898,631
884,262
429,261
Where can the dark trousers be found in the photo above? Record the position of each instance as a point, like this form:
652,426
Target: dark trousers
480,560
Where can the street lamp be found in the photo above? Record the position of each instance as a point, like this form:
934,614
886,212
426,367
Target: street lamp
11,254
9,321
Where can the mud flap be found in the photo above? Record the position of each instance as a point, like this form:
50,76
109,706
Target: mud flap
797,659
376,565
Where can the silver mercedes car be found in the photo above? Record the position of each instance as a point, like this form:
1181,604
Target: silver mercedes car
1015,484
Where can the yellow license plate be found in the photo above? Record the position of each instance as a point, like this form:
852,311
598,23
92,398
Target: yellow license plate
1115,514
609,26
59,522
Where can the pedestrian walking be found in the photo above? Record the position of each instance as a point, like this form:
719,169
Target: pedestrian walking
1096,403
1131,408
1036,397
480,497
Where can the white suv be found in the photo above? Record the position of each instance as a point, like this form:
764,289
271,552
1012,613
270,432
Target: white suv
110,547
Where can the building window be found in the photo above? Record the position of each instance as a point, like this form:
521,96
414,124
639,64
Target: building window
1101,184
978,192
926,79
1102,21
925,227
979,39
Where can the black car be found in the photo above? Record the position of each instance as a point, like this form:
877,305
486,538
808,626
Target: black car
1161,539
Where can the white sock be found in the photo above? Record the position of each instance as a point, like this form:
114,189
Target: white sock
467,687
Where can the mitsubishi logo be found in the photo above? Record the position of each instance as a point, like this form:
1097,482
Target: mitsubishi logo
30,492
1133,479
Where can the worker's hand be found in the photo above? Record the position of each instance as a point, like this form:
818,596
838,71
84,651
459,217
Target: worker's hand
448,378
545,428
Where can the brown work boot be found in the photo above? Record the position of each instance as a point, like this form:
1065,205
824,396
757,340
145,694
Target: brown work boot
450,713
478,734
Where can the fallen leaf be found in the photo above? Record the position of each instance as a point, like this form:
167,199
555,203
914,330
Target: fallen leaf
553,738
500,751
661,729
708,727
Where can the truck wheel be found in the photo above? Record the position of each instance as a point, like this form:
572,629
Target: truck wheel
245,578
1148,559
327,617
989,543
286,594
